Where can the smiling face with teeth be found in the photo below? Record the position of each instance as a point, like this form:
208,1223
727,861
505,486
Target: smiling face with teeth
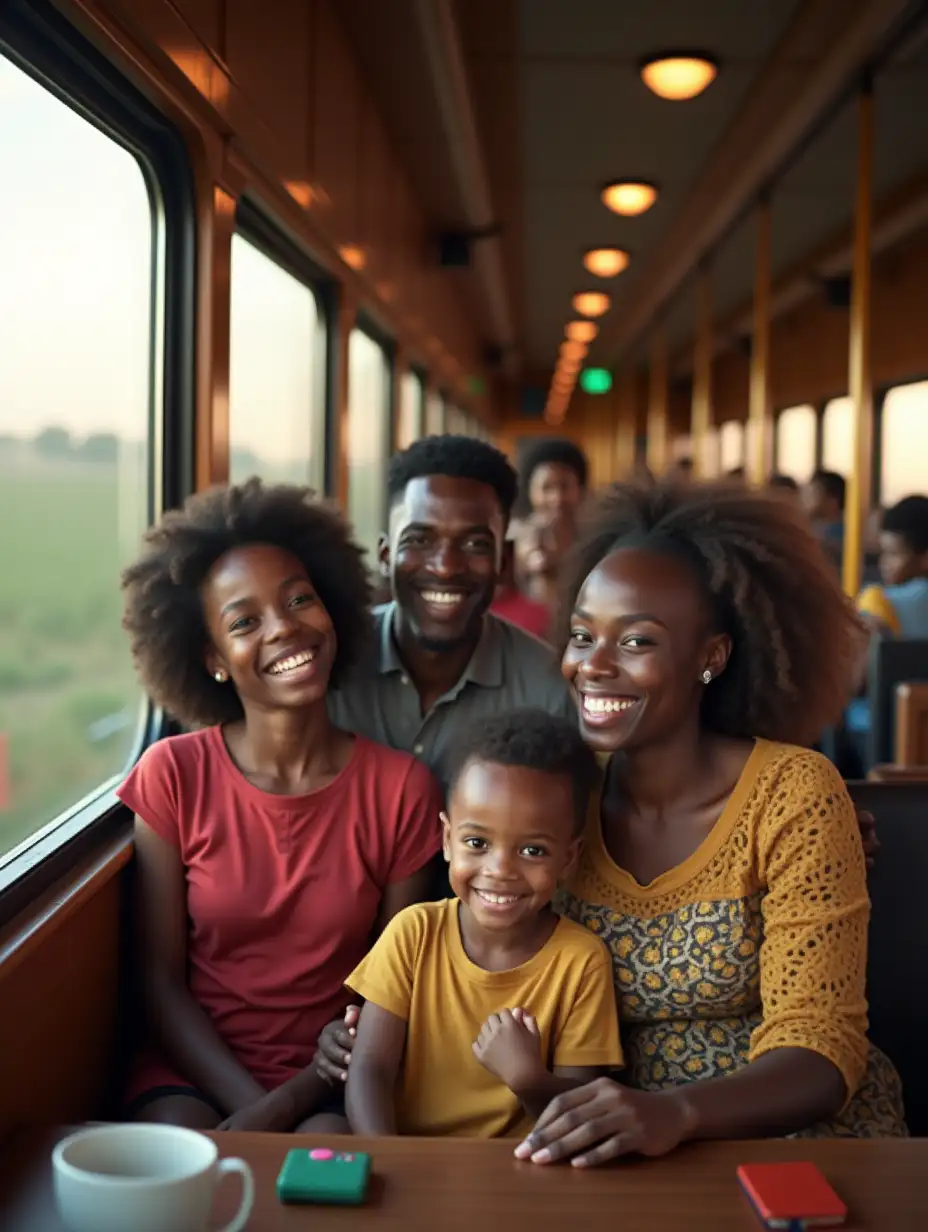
641,637
269,630
443,557
509,837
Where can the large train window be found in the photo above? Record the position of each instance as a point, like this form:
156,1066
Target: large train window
411,409
80,294
731,445
838,436
905,421
368,437
276,404
796,442
434,414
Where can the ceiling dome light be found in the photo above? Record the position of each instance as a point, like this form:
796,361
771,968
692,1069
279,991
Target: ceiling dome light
581,331
629,197
679,75
573,350
605,262
591,303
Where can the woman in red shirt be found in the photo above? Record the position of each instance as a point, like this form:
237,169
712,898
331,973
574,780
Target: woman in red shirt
271,846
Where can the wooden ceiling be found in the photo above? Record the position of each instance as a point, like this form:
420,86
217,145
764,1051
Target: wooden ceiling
549,106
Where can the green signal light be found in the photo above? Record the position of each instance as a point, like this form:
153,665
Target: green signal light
595,380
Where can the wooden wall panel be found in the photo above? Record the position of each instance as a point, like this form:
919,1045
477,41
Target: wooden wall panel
809,346
57,1029
337,130
206,20
275,73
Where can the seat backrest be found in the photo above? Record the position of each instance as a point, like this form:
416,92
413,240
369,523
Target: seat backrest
897,987
890,662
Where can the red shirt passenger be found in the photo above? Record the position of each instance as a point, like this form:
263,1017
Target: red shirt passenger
271,846
519,610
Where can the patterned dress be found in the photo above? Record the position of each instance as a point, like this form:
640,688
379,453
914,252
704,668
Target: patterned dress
757,941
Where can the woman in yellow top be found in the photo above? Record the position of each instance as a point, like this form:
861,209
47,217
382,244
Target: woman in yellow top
707,641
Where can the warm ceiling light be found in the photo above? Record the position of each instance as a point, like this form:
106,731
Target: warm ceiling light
679,75
605,262
591,303
581,331
353,255
573,350
629,197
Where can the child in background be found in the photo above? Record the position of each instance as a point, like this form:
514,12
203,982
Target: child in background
480,1009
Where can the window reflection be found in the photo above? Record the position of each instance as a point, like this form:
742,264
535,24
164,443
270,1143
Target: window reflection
838,436
411,410
905,443
368,437
276,408
796,432
77,295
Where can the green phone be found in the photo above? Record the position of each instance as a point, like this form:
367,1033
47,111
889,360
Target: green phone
323,1176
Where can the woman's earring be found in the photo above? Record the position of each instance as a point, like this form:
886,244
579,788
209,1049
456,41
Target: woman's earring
220,677
706,676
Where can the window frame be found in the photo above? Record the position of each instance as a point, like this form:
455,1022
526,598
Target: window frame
255,224
44,45
365,324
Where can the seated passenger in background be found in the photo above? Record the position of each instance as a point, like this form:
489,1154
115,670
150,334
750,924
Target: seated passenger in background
823,497
553,485
511,604
900,605
441,660
270,845
480,1009
784,485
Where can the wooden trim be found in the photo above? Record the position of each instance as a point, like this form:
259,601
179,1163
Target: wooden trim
658,376
860,382
217,226
760,410
46,914
701,412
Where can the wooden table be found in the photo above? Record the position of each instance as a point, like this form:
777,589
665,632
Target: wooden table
448,1185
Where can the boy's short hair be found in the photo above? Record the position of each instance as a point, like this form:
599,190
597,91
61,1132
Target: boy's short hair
536,740
909,520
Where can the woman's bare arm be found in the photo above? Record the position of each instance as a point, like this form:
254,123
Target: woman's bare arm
180,1023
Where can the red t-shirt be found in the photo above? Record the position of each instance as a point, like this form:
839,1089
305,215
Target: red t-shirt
526,613
283,892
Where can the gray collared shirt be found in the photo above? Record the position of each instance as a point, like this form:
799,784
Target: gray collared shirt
509,669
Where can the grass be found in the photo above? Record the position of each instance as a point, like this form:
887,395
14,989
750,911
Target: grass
69,700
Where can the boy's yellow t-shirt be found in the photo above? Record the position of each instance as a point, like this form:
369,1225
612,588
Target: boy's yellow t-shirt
418,970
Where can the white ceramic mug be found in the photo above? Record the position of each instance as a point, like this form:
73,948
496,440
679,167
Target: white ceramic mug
143,1178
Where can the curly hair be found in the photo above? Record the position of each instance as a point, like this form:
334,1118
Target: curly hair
909,520
795,637
163,613
458,457
537,740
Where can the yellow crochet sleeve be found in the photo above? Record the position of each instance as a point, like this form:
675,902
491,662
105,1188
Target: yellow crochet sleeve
816,911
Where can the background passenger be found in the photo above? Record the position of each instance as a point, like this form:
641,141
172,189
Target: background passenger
271,846
552,486
481,1008
823,497
511,604
900,605
707,640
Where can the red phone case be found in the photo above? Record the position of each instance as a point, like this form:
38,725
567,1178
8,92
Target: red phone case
791,1196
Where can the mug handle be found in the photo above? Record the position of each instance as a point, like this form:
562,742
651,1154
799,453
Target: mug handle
225,1167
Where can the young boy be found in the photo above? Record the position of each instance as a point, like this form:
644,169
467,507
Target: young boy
480,1009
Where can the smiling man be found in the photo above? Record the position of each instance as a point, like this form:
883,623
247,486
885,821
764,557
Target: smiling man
442,660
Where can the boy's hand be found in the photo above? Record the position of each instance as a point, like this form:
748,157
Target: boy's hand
333,1050
509,1046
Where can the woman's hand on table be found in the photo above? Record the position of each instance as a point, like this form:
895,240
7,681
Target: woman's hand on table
603,1120
336,1040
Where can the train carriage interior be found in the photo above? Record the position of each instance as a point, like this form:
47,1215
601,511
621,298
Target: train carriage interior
291,238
